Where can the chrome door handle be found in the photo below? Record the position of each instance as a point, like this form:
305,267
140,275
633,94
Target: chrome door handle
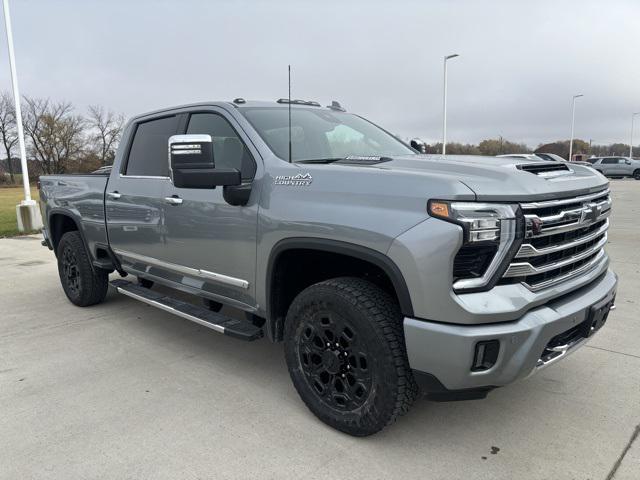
173,200
113,195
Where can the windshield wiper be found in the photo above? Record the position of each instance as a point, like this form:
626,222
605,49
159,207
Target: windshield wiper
350,159
319,160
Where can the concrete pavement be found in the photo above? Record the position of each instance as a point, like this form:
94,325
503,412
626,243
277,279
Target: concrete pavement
122,390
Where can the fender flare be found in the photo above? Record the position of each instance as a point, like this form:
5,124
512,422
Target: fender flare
360,252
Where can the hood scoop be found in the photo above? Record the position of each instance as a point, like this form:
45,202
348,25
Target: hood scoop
546,169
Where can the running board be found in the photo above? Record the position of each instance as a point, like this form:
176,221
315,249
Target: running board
241,329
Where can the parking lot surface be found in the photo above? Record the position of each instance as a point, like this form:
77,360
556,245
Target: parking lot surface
123,390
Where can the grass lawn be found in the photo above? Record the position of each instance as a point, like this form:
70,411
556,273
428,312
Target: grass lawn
9,198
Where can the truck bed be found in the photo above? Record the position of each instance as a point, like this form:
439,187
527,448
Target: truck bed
82,197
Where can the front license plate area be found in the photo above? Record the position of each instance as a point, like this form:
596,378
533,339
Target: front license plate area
597,315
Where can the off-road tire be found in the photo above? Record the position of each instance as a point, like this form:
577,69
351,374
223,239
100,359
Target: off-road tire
376,322
83,284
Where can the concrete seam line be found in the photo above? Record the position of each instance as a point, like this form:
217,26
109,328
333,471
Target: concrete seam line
613,351
616,465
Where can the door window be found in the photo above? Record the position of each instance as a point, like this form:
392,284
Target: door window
609,161
148,154
229,151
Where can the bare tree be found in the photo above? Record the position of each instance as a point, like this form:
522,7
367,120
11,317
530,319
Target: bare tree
56,135
107,129
8,131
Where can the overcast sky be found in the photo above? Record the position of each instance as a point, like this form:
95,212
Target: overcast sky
520,61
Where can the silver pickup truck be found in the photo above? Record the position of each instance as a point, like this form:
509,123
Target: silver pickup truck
384,272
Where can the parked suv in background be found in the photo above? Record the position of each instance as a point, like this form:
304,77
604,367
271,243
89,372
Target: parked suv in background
617,166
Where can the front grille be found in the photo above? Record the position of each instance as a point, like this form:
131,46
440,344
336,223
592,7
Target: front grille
563,239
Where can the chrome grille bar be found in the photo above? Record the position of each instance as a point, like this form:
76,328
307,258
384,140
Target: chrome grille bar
528,250
522,269
567,227
563,201
586,268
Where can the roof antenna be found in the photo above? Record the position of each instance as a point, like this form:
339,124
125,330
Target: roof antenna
289,104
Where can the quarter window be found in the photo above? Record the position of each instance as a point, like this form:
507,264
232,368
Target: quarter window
148,156
229,151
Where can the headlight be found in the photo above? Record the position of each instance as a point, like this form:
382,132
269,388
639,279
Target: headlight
492,233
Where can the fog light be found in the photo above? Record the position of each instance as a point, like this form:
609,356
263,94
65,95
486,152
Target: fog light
486,355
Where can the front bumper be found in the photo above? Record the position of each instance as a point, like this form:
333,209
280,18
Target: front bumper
445,352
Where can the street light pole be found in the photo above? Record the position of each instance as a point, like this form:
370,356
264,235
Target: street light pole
444,105
633,115
573,121
16,100
27,211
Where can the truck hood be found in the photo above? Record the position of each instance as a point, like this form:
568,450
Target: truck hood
498,179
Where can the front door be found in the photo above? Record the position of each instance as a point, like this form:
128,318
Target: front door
212,239
135,198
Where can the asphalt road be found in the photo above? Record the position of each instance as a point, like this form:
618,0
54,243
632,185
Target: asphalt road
122,390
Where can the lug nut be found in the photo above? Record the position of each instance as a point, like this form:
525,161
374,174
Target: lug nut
343,375
328,344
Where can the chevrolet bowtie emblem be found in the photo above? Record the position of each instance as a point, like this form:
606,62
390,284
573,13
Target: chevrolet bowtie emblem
590,212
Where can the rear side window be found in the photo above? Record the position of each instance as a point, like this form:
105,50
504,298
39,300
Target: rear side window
229,151
148,156
609,160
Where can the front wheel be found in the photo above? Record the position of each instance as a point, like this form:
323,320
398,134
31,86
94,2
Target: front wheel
83,284
344,347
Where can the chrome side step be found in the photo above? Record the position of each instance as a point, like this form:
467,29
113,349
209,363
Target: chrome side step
241,329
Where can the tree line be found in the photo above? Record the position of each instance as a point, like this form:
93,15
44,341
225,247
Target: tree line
58,140
500,146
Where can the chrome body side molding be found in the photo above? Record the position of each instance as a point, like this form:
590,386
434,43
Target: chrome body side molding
193,272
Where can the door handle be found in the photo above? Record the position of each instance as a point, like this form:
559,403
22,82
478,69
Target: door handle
113,195
175,200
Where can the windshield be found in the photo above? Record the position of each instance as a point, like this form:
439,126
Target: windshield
320,134
553,156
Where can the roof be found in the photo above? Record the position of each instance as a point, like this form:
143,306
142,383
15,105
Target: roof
235,103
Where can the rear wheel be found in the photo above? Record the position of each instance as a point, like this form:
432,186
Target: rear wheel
344,347
83,284
636,174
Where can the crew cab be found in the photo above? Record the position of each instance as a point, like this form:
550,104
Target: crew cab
386,273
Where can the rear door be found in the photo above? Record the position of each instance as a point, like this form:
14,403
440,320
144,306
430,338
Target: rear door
135,195
620,167
206,233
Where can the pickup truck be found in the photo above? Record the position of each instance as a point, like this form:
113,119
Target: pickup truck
386,273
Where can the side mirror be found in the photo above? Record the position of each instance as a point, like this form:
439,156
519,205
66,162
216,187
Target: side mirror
192,165
627,161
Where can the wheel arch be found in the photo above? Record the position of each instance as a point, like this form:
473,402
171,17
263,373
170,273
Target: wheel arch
61,222
368,258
